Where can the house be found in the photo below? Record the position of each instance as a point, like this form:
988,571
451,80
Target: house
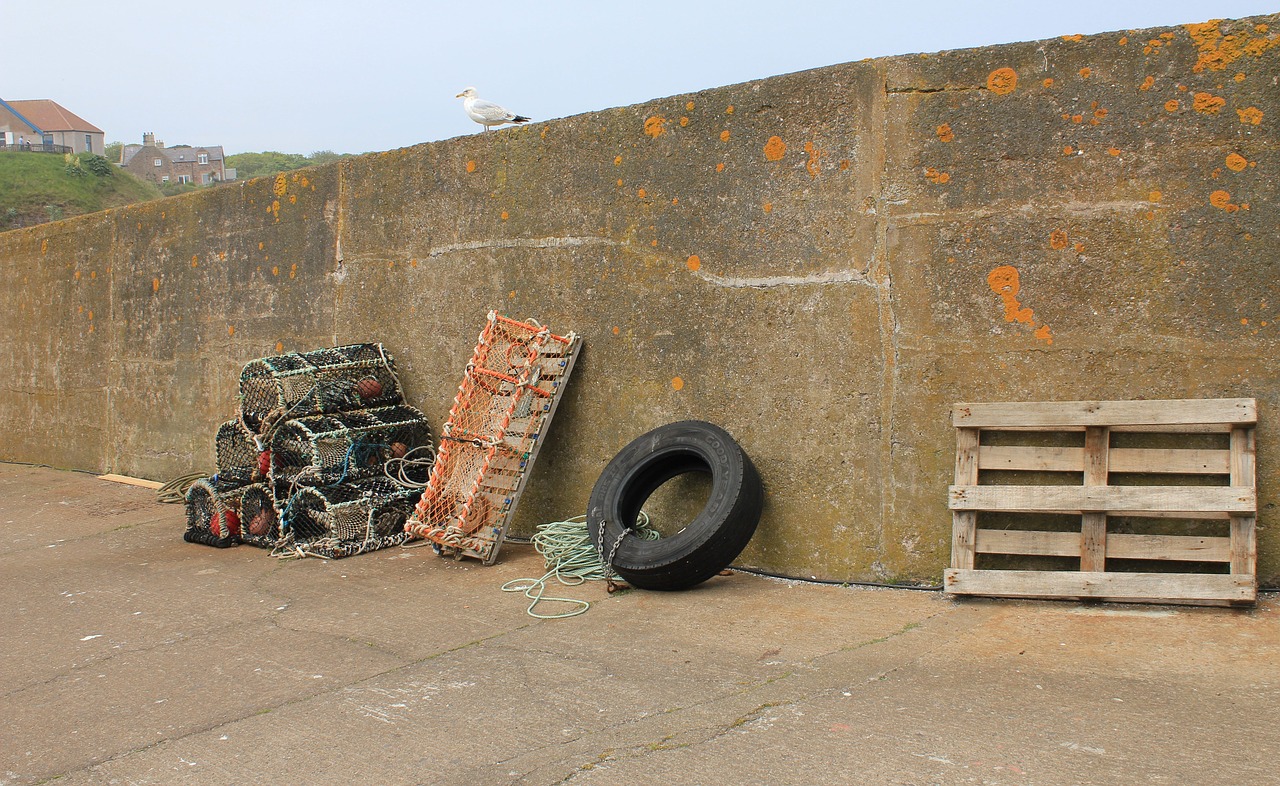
45,125
151,160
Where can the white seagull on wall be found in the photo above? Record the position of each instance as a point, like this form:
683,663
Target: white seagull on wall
486,113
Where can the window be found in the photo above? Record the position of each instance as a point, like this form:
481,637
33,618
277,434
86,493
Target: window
164,179
203,158
184,178
157,162
88,143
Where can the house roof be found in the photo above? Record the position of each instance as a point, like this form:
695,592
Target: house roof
19,115
50,116
177,154
190,152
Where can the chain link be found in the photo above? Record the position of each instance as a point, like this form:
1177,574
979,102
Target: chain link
610,584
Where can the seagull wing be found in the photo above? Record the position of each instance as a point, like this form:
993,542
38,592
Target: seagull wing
489,111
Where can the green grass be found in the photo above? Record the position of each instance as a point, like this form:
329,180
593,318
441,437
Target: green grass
36,187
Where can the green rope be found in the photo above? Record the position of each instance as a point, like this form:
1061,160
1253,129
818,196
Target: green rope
175,491
571,558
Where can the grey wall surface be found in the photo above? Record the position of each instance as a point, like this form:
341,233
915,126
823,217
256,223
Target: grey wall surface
820,262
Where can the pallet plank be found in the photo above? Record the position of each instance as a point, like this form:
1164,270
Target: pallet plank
1181,548
1132,500
1131,587
1244,540
1150,461
1093,526
964,523
1059,414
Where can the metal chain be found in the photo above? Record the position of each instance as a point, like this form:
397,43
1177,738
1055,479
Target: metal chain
611,585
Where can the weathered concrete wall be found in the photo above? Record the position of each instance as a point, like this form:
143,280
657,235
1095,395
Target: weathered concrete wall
820,262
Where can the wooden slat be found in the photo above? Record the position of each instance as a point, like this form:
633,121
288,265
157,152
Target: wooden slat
1151,461
1244,542
1134,500
964,523
1061,414
1093,526
128,481
1183,548
1198,588
1034,459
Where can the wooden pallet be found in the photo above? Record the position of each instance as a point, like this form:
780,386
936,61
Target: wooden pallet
987,442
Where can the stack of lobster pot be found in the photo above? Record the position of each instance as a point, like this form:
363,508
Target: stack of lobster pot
303,468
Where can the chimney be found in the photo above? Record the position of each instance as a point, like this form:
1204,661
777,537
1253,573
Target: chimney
148,139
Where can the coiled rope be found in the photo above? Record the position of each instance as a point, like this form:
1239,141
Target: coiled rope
175,491
572,559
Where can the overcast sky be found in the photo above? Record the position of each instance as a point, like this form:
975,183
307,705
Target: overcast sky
299,76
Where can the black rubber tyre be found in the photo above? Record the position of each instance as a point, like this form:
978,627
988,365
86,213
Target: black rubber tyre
707,544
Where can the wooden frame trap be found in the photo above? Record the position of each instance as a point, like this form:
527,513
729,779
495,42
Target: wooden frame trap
1139,501
508,396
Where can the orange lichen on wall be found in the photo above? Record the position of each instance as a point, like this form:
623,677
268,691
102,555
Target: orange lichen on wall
1236,162
1147,83
1058,239
693,262
1207,103
1004,282
1002,81
1222,200
281,185
1250,115
775,149
937,177
1218,51
945,133
1086,72
815,155
724,136
655,126
1171,105
471,166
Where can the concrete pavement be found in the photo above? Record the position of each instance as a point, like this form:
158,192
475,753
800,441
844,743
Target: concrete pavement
128,656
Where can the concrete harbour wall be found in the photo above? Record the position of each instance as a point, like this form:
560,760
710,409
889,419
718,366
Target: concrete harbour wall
820,262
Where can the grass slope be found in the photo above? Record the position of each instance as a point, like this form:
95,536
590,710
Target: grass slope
35,188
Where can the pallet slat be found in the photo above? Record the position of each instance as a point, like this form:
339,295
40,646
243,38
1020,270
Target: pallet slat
1150,461
1062,414
1198,588
1183,548
1132,500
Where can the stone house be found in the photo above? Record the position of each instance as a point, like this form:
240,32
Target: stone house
152,160
44,124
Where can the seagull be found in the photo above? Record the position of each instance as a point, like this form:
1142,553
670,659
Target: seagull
486,113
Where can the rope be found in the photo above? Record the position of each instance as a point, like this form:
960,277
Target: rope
175,491
401,470
572,559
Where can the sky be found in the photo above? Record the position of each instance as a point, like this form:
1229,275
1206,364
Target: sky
300,76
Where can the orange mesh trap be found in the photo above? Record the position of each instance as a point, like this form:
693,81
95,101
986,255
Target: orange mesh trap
499,417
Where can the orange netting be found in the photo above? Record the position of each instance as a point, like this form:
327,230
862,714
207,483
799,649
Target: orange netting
503,406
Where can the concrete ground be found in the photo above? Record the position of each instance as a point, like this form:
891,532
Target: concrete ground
128,656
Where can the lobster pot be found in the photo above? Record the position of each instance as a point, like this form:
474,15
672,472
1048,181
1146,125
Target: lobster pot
340,521
214,515
354,376
322,450
259,519
237,455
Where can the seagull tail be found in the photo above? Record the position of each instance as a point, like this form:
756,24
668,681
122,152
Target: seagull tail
520,119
